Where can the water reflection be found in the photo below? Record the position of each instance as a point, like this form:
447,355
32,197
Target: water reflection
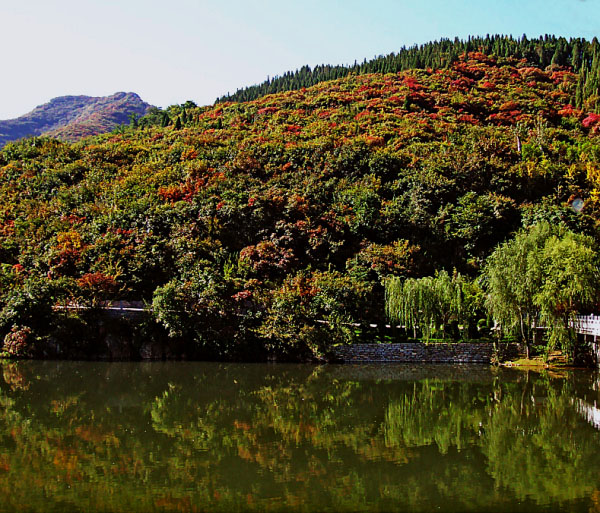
186,436
590,412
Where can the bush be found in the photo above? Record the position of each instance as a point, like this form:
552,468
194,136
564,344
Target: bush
18,343
309,313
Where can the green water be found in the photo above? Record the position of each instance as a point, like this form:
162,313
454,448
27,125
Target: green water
181,436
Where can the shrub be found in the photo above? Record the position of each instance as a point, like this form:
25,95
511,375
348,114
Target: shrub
18,342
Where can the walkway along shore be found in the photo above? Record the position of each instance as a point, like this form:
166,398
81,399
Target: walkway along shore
586,326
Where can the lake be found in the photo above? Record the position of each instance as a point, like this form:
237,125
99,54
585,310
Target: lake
190,436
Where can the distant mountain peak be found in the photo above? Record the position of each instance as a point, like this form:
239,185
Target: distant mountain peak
73,117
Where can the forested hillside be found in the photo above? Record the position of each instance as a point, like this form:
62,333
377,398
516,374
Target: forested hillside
73,117
577,54
243,223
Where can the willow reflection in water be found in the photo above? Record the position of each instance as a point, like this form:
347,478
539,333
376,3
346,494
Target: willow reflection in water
211,437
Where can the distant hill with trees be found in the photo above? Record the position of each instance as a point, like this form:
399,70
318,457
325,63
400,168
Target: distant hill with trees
73,117
578,54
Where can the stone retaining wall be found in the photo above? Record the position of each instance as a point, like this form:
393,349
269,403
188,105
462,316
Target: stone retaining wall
419,352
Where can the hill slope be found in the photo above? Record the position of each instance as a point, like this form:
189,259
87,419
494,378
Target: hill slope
580,55
73,117
245,222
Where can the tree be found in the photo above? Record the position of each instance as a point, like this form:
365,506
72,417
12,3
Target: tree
426,303
545,274
570,269
133,120
292,320
193,308
512,275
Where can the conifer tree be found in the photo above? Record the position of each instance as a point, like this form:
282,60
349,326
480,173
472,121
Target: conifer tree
576,56
579,90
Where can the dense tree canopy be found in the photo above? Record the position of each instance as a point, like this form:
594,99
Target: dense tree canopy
245,223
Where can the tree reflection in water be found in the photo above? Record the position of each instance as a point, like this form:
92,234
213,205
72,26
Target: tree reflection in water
222,437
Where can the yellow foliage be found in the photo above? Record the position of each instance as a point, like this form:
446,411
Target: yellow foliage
595,195
69,240
593,173
572,171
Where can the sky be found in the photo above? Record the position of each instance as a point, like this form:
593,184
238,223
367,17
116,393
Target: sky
171,51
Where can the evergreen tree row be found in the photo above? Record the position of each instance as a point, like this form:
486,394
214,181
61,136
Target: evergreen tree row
580,55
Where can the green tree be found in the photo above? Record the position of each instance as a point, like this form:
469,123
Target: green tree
513,274
545,273
194,308
311,312
428,303
133,120
571,280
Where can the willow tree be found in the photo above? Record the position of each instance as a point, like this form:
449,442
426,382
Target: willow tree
544,275
571,272
425,304
513,274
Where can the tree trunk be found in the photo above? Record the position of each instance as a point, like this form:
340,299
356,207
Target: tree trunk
524,394
534,336
524,337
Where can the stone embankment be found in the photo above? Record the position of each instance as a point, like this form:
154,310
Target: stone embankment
483,353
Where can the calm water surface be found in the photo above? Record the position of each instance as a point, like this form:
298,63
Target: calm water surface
180,436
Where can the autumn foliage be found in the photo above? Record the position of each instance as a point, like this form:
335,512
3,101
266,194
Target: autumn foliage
245,223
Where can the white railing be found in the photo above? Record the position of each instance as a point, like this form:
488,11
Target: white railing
115,306
588,324
584,324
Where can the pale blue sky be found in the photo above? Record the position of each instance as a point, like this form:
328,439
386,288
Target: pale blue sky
170,51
